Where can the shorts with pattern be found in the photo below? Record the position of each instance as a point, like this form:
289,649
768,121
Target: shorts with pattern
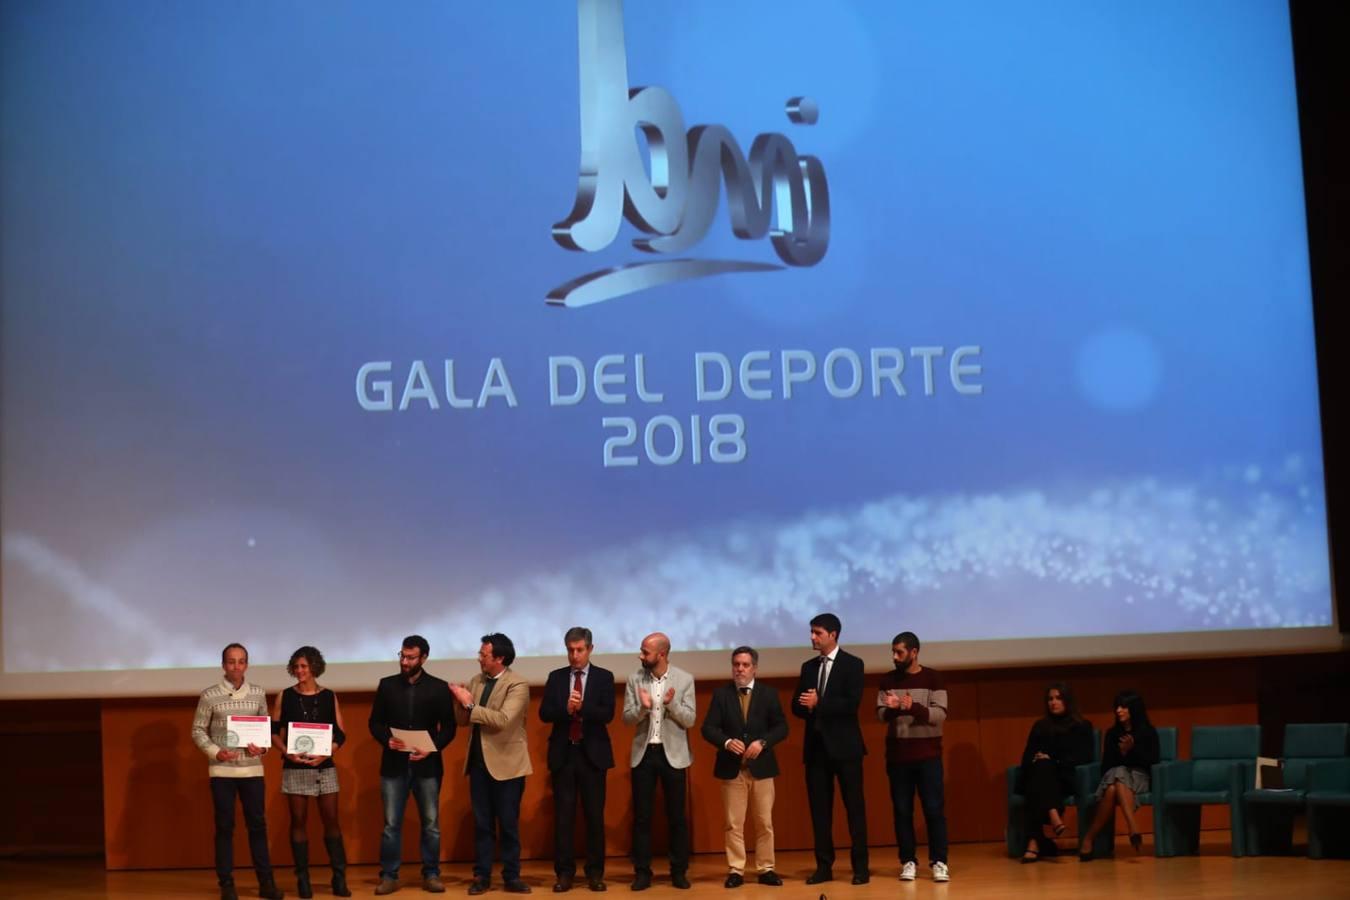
309,782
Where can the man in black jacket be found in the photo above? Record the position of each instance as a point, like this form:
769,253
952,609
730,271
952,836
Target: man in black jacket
579,702
828,695
744,722
413,700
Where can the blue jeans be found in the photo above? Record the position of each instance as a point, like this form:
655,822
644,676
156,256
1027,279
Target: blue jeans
926,778
394,792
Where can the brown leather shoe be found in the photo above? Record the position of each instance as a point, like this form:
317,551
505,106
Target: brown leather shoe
432,884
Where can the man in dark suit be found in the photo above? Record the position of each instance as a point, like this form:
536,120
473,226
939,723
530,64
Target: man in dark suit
828,695
744,722
579,702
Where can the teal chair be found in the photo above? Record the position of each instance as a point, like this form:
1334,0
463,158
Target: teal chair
1015,833
1090,776
1328,802
1222,765
1269,814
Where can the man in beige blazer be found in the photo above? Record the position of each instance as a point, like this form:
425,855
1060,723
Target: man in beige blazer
494,703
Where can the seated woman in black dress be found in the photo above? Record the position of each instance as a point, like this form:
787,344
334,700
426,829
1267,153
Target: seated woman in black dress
1129,751
304,776
1057,743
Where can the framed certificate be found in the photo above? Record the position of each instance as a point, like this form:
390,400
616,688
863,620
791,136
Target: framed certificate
240,731
309,739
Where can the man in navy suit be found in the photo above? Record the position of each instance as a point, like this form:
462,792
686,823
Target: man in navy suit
828,695
745,721
579,702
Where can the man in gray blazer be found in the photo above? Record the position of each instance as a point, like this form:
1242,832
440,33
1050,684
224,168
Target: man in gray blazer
659,700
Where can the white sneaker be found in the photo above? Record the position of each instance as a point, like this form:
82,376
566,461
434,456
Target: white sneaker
908,871
940,872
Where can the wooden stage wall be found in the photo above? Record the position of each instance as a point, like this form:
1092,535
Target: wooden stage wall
153,809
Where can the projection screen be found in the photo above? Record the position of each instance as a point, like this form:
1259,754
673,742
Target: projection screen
328,324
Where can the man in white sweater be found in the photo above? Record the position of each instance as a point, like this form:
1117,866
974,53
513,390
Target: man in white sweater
235,771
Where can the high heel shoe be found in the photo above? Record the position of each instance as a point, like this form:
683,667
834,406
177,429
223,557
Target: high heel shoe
1084,855
1030,856
1137,841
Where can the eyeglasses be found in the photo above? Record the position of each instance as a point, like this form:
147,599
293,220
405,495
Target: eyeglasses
408,657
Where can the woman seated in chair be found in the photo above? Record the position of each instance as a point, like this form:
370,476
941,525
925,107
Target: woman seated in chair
1059,741
1129,750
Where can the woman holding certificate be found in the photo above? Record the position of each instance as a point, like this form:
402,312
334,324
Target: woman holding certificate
308,725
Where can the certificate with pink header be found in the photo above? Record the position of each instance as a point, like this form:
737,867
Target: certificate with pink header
240,731
309,738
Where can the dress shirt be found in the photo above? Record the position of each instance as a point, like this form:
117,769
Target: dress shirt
827,666
657,688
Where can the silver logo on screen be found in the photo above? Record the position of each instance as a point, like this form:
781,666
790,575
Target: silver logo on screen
775,191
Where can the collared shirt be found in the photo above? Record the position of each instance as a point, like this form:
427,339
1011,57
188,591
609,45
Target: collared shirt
657,688
740,691
572,678
823,681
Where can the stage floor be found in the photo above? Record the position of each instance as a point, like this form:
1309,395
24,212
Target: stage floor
978,871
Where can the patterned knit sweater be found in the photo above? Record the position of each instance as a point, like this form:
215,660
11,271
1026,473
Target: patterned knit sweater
916,735
209,726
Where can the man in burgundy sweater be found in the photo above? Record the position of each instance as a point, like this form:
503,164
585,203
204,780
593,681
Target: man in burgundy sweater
913,704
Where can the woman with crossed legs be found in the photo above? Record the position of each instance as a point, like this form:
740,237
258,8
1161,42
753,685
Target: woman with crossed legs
1129,751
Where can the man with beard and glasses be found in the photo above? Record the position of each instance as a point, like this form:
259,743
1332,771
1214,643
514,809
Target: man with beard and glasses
745,721
913,704
659,700
414,700
494,704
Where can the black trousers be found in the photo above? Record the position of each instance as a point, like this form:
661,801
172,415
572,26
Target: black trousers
578,777
251,793
652,769
821,774
1044,786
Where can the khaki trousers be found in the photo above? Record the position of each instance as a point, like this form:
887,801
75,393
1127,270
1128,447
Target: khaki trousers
756,793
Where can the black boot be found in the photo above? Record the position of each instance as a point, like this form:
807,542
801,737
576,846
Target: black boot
337,858
267,888
300,850
227,891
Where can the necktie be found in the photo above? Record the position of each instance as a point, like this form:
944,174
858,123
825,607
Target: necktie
574,727
820,692
745,704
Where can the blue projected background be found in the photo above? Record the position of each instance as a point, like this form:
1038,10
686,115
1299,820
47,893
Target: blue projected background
232,235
